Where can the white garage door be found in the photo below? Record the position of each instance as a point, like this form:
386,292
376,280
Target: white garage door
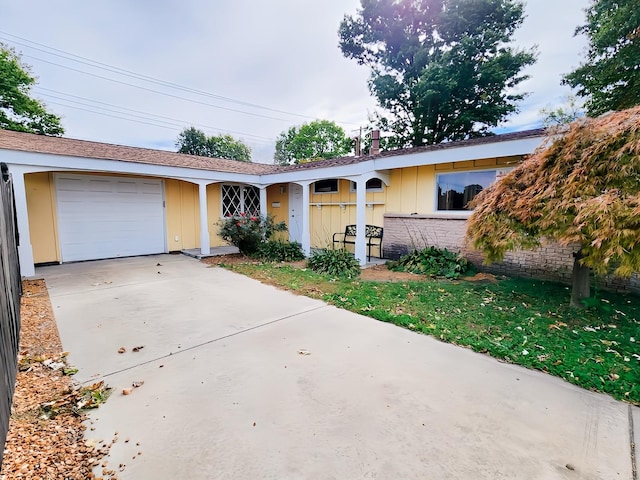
107,217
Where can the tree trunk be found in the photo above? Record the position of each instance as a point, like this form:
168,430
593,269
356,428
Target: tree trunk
581,282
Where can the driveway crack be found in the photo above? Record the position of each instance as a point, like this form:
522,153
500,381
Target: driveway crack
208,342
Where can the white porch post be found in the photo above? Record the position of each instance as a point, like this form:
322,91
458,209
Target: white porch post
263,201
361,222
205,241
306,234
25,251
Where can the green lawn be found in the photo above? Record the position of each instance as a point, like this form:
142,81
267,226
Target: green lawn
522,321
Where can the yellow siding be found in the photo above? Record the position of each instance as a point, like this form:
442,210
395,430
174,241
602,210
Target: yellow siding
183,215
274,195
43,227
337,210
214,213
485,162
465,165
279,194
426,187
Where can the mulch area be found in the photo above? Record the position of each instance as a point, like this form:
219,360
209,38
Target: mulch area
46,430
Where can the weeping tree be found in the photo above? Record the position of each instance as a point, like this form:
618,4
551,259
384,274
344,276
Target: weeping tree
582,189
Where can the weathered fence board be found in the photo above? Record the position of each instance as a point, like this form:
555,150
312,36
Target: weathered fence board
10,292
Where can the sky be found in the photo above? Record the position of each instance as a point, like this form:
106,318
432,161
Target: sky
137,73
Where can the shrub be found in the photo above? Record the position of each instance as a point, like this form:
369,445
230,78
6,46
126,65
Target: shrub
248,232
279,251
436,262
335,263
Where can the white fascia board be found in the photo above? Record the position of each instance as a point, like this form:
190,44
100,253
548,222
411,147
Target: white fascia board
45,162
313,174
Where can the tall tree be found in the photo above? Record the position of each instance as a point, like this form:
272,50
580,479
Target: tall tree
582,190
610,77
316,140
194,142
18,111
442,69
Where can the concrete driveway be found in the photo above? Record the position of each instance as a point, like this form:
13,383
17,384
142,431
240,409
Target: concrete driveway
228,395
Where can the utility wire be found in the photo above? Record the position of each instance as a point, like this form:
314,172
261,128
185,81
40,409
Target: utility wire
150,122
138,76
113,116
175,121
157,91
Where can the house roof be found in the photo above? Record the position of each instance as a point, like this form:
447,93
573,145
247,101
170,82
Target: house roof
28,142
505,137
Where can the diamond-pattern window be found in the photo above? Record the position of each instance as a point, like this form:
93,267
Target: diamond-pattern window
251,200
238,199
231,200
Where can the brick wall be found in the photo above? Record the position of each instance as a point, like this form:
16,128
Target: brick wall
404,233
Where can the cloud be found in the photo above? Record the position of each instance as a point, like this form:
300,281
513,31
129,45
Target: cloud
281,54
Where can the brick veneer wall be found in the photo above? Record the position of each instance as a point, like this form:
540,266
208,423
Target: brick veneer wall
404,233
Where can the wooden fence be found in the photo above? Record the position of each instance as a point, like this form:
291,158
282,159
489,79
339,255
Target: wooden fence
10,292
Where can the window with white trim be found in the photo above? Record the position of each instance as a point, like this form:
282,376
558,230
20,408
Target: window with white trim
457,189
330,185
373,185
237,199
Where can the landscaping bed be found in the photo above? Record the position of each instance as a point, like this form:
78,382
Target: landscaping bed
46,430
521,321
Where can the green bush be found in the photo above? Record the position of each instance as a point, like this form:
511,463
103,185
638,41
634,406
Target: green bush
248,232
334,263
436,262
279,251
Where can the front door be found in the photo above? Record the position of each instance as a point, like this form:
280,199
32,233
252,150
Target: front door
295,213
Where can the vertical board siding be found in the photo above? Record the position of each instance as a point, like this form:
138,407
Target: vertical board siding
214,212
279,213
41,205
182,210
11,287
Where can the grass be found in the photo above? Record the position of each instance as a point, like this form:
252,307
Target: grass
521,321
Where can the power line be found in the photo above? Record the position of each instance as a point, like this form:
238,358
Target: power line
179,123
138,76
143,122
156,91
113,116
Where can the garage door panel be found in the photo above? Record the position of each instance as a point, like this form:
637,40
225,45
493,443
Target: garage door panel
106,217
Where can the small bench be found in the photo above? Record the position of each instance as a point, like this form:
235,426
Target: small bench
373,237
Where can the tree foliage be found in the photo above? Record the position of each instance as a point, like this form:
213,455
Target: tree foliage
610,77
194,142
316,140
554,118
18,111
442,69
582,189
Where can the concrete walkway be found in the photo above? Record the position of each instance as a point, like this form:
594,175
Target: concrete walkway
228,395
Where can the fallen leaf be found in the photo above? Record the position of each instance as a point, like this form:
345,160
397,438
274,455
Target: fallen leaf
127,391
137,384
137,349
122,350
304,352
